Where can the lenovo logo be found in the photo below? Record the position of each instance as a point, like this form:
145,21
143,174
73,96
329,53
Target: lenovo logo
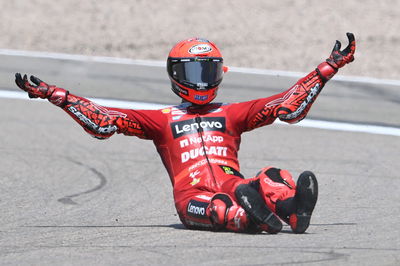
192,126
197,209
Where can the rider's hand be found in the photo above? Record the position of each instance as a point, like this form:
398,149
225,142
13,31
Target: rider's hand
338,58
38,89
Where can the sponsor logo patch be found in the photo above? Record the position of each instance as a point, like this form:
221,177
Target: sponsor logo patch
271,183
205,161
197,209
194,179
92,125
227,170
310,97
204,197
231,171
200,49
201,97
178,89
208,150
198,140
191,126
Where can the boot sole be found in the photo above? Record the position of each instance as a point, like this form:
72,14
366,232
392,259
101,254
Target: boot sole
257,210
274,224
306,196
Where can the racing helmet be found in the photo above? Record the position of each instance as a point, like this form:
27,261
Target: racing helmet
195,68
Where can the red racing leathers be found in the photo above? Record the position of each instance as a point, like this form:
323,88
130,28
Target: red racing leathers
199,144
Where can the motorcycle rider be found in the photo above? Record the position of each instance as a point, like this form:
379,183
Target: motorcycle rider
198,140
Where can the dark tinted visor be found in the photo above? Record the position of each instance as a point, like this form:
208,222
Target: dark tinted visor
197,73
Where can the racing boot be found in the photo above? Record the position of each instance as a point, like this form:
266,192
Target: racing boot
296,211
257,210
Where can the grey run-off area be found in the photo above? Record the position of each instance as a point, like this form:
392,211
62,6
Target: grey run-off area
69,199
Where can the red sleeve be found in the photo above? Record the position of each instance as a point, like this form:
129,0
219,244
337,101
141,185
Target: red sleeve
256,113
152,123
290,106
102,122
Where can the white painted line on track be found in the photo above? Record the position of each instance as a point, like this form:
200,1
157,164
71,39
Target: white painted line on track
339,126
154,63
82,58
349,127
293,74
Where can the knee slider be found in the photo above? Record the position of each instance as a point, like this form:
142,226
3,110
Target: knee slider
226,214
278,176
218,208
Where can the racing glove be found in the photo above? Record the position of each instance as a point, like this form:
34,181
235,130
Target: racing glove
299,98
337,58
40,89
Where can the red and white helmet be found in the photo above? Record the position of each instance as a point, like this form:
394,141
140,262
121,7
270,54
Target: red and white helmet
195,68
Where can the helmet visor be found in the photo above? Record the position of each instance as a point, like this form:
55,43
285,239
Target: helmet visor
196,73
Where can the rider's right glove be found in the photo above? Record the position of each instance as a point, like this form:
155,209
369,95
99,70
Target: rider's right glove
40,89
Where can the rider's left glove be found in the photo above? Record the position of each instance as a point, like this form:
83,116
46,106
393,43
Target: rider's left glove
338,58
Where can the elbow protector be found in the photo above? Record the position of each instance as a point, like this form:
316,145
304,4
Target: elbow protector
302,95
58,97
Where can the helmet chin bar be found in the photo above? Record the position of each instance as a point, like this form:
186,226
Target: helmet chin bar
202,86
196,97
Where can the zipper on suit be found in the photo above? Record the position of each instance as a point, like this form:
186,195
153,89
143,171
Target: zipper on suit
200,131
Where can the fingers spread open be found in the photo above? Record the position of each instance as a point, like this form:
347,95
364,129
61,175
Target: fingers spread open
26,82
351,47
350,36
337,46
19,81
36,80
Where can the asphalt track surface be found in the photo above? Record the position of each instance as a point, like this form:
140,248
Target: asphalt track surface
69,199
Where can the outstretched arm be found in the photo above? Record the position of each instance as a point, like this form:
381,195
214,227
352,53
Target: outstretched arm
293,104
299,98
100,122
